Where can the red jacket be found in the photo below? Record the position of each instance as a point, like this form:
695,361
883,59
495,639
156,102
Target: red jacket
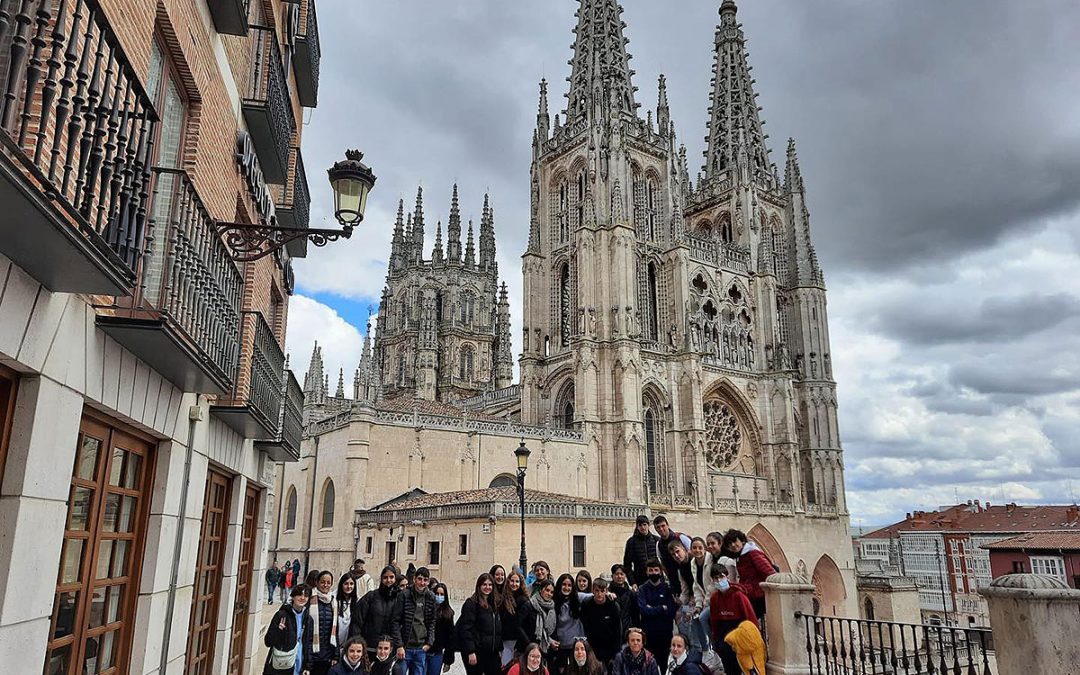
728,610
754,567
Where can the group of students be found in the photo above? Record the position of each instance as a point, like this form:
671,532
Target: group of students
672,600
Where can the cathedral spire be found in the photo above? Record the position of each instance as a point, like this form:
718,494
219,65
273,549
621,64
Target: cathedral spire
543,122
340,393
600,79
418,225
504,359
735,125
487,236
663,111
437,253
407,249
397,243
470,250
792,175
453,230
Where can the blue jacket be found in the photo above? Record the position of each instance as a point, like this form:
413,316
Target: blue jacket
658,607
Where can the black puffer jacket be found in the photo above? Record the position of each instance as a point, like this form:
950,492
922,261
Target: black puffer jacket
408,609
639,548
511,622
284,639
378,613
479,630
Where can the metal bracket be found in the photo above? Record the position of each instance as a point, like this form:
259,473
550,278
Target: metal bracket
251,241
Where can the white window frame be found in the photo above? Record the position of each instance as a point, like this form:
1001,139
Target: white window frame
1048,565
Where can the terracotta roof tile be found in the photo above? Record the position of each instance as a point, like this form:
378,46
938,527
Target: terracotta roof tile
483,496
1039,541
405,404
976,519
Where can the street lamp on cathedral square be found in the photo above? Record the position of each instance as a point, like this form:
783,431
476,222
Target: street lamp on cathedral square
522,454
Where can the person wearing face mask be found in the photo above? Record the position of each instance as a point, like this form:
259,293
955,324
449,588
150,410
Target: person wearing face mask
634,659
683,660
323,609
639,548
584,660
603,622
538,618
728,607
288,636
441,655
713,555
658,606
530,663
753,565
379,613
354,659
385,661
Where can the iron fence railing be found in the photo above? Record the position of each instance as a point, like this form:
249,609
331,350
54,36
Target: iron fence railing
268,89
265,384
844,646
188,276
292,417
77,120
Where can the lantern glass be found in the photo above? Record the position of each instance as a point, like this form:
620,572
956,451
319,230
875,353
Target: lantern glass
522,454
350,199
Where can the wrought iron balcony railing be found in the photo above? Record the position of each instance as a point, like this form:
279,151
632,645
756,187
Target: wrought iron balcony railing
307,55
76,135
266,105
184,317
230,16
295,207
254,407
286,447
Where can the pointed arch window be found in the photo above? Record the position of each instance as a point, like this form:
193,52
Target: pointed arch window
727,234
563,213
653,327
656,479
650,450
401,371
564,407
328,497
466,309
579,200
564,305
652,208
466,361
290,509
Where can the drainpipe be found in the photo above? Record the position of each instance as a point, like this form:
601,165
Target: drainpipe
195,415
311,508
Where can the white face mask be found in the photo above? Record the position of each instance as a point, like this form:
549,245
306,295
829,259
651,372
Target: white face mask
581,661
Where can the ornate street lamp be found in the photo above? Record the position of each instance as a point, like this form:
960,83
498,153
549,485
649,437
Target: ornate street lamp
351,181
522,453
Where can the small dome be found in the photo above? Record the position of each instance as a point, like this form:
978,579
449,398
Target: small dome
1028,581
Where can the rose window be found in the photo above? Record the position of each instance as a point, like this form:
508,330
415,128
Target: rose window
723,438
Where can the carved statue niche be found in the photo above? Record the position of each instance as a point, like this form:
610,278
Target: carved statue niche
591,322
615,321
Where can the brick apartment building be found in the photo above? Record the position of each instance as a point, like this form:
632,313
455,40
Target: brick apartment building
144,394
1053,554
948,552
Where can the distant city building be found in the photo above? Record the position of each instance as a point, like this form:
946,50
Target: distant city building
948,552
675,350
1052,554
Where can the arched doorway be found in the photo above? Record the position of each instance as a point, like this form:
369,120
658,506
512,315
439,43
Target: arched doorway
829,586
767,543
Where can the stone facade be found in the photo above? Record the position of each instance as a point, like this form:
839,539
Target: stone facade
676,331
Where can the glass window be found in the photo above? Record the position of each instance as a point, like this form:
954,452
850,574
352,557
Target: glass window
410,549
97,579
1048,566
433,552
328,505
290,509
463,544
579,550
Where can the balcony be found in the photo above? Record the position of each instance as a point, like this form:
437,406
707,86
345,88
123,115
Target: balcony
183,318
230,16
286,447
295,207
76,133
267,111
307,55
254,408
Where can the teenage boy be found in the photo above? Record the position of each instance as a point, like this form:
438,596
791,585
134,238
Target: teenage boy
657,605
639,548
667,535
752,564
417,623
728,607
602,620
625,597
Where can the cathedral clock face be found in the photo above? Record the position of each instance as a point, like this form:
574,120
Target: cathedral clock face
723,437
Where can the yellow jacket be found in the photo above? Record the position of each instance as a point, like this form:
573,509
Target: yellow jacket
749,647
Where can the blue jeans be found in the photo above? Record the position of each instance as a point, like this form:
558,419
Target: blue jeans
703,628
416,661
434,664
270,593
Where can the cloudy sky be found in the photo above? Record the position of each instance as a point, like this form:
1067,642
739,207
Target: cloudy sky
940,146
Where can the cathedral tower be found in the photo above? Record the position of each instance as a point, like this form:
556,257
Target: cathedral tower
682,326
438,332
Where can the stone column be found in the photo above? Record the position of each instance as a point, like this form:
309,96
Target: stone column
788,597
1034,620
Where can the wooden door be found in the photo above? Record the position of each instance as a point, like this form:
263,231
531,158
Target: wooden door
206,597
101,559
245,569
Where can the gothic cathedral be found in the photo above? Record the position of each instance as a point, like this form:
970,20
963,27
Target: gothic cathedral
681,325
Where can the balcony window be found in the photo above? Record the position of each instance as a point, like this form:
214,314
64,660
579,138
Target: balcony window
266,106
78,128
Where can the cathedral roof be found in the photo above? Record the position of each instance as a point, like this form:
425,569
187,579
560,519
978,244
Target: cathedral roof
484,496
408,404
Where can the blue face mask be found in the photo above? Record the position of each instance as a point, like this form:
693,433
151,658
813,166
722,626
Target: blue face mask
723,585
440,599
